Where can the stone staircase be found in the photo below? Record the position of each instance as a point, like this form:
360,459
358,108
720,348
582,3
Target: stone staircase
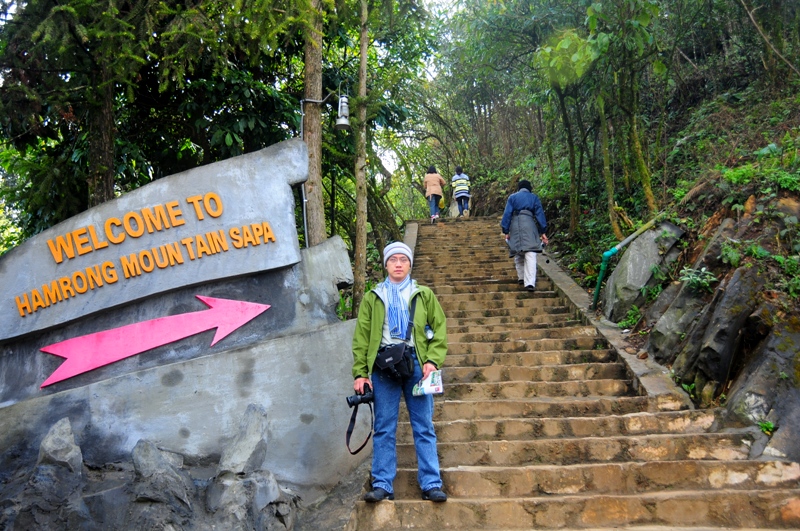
544,424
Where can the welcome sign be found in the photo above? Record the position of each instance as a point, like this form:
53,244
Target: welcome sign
222,220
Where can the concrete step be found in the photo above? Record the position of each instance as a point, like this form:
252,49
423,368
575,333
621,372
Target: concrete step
568,451
523,389
496,273
632,424
778,508
562,332
542,407
487,296
557,373
605,478
477,313
531,300
498,286
526,345
525,358
536,321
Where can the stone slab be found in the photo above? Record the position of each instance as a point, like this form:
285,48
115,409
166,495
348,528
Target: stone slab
178,231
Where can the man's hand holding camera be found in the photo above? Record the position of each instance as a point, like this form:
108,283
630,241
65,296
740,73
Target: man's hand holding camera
358,385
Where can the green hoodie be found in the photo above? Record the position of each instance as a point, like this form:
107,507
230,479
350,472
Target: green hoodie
369,329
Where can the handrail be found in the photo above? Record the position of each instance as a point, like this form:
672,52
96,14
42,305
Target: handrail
614,250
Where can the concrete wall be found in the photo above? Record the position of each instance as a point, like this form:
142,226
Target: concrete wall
186,395
294,360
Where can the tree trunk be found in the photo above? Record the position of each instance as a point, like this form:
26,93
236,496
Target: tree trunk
550,157
641,166
573,177
360,245
612,214
622,152
312,127
101,143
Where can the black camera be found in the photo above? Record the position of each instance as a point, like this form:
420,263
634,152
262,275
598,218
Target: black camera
356,399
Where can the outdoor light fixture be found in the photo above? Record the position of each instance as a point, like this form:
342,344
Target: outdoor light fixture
343,121
342,124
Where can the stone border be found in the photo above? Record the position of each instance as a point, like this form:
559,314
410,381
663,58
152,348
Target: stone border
649,378
410,237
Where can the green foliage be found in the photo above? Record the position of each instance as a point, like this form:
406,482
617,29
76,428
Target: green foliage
767,427
741,175
790,282
633,316
757,252
689,388
651,293
698,279
658,274
730,253
790,232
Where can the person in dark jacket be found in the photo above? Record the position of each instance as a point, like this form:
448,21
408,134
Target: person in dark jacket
525,229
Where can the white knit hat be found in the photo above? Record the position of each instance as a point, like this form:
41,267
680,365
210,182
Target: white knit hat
397,248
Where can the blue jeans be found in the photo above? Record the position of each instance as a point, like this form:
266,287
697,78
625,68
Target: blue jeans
463,204
433,202
384,442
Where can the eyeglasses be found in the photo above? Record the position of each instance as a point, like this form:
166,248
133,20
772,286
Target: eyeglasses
398,260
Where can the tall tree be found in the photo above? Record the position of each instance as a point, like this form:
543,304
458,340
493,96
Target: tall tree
82,92
312,126
360,245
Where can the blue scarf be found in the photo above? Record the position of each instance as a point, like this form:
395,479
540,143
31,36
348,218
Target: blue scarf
397,309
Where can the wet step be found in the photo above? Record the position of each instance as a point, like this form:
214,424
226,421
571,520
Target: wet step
640,423
569,451
605,478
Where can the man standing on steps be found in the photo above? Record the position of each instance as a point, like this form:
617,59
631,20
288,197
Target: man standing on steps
383,320
524,228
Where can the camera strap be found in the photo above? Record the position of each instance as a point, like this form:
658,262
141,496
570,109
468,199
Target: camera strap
352,425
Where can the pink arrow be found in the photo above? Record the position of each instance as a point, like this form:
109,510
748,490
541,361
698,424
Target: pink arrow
89,352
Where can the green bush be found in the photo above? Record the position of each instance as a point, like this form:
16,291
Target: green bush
729,254
634,314
698,279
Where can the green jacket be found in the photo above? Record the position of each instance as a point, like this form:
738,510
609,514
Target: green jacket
369,329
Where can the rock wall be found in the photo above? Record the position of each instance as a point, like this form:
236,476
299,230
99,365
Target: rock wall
733,345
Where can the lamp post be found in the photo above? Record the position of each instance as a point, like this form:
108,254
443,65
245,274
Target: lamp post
342,124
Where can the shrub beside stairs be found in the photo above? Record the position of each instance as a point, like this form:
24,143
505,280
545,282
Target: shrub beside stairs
543,424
